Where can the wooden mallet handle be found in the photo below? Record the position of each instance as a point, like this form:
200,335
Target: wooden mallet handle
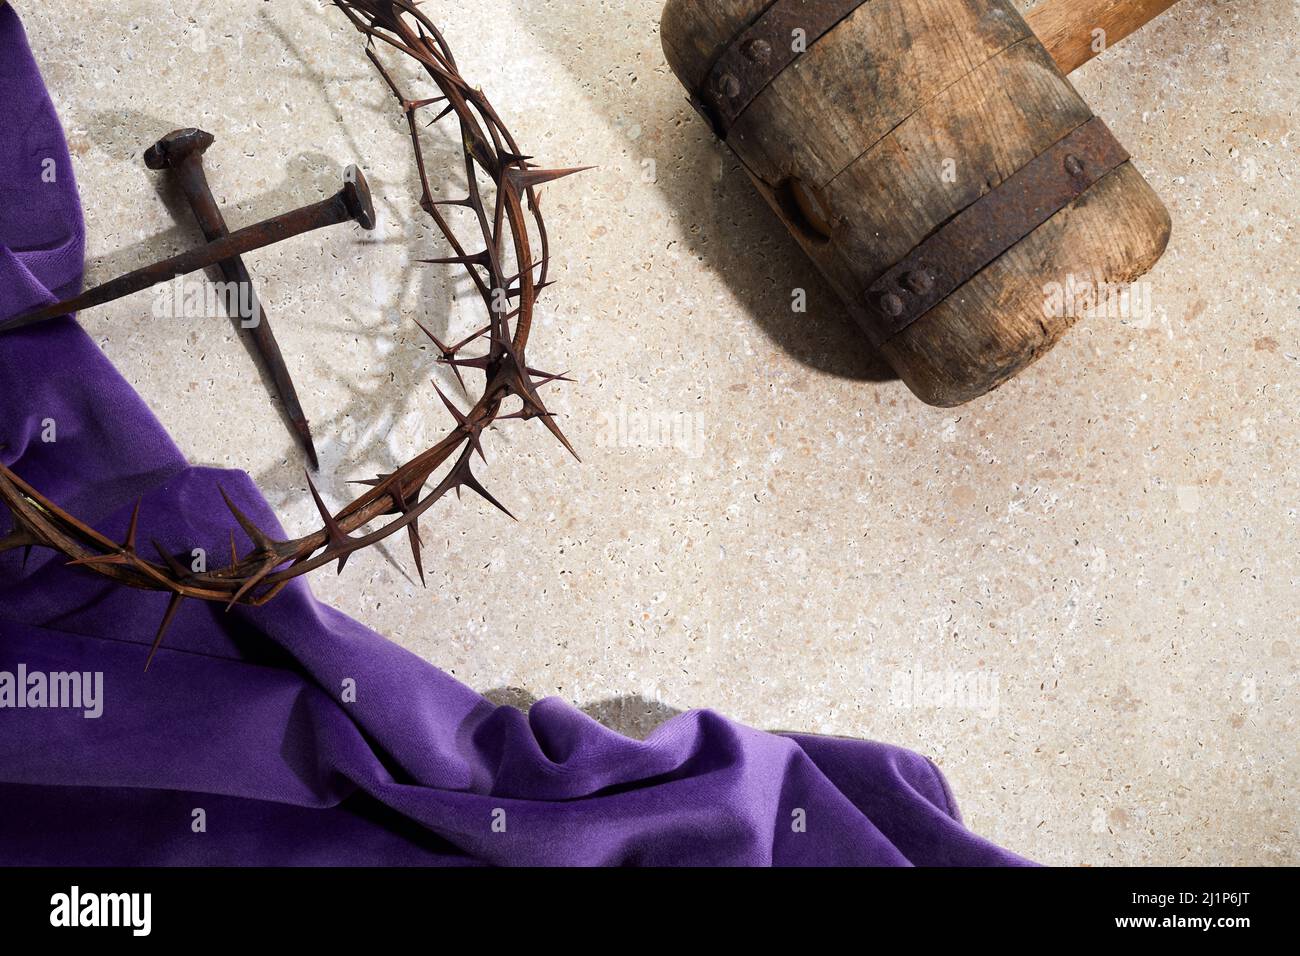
1068,27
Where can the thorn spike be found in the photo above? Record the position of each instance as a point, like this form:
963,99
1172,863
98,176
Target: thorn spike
338,538
255,534
469,481
413,533
447,353
169,559
129,545
173,606
261,575
483,259
524,179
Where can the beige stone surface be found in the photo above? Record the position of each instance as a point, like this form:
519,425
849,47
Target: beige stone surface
1101,558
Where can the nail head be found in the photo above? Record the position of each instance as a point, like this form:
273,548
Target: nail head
176,147
356,193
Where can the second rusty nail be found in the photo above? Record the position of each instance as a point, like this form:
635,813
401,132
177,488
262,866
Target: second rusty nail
181,153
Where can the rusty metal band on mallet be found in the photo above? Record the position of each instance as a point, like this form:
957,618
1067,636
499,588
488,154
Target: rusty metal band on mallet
760,54
986,229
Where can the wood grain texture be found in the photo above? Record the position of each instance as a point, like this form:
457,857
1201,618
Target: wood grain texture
1114,233
901,117
864,78
694,32
903,187
897,193
1067,27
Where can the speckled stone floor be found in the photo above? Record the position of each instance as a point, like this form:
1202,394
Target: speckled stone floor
1078,595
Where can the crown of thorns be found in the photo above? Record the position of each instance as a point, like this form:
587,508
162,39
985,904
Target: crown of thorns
508,272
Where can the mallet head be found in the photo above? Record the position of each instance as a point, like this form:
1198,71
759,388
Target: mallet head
931,159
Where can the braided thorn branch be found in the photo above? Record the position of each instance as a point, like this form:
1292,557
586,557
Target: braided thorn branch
503,226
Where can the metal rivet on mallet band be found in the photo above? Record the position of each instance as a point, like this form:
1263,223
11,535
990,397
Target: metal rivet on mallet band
920,281
757,50
181,154
352,203
728,86
892,305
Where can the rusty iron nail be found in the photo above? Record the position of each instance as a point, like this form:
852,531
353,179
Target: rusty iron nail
1074,166
352,203
181,155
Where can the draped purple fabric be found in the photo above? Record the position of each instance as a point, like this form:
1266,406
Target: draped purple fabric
242,715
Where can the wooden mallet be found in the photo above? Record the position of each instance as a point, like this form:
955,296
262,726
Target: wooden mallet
934,161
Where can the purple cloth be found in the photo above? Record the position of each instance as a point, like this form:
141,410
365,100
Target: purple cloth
241,715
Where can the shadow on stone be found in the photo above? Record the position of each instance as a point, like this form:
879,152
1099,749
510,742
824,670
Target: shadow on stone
632,716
